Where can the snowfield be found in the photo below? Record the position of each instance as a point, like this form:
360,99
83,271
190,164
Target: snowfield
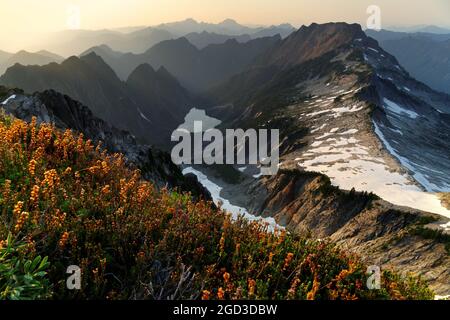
350,165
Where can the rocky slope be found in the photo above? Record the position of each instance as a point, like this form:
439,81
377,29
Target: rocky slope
52,107
383,234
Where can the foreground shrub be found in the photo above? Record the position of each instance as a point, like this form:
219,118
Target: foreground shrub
20,278
64,198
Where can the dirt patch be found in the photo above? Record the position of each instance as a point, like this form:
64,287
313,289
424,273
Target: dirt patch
445,199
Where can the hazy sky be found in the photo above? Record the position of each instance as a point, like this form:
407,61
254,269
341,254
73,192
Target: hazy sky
21,19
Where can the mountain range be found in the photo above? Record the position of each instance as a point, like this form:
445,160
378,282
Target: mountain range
151,115
226,27
422,28
139,39
196,69
27,58
364,145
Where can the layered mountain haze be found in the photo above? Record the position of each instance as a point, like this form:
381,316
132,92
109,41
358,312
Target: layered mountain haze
204,39
127,105
139,39
196,69
27,58
226,27
425,56
73,42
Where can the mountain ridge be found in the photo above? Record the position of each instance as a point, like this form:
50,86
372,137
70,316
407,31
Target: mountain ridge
92,82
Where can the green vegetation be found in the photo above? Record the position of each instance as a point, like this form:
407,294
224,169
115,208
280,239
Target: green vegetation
20,277
227,173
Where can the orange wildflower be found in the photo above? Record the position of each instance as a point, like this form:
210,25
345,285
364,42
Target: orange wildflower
206,295
251,287
64,239
21,221
32,167
221,294
288,260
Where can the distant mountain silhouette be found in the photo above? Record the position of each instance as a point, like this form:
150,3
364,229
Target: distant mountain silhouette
384,35
73,42
196,69
164,101
421,28
139,39
284,30
145,105
204,39
4,56
426,56
227,27
27,58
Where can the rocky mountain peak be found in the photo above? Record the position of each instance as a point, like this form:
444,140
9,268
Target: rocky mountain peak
313,41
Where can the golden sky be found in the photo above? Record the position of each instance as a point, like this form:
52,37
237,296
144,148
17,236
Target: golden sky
20,20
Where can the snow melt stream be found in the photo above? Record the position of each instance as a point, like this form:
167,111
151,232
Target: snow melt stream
235,211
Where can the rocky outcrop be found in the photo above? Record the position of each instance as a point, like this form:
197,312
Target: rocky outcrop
381,233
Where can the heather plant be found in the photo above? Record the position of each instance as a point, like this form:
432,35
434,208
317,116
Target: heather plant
64,198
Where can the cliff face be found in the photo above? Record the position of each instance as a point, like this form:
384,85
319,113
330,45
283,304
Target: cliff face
383,234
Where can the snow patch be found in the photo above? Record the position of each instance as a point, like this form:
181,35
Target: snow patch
143,116
10,98
235,211
392,106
